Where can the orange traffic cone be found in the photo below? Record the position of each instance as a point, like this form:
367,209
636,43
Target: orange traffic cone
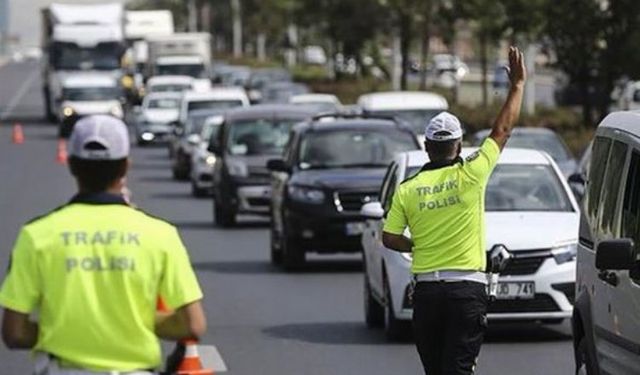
18,135
191,364
61,153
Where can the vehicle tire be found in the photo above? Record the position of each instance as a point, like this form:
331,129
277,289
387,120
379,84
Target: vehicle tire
587,367
373,310
394,329
224,216
197,192
293,256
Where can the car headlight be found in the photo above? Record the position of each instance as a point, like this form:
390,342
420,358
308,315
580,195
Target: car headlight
116,111
68,111
209,160
237,168
305,194
565,253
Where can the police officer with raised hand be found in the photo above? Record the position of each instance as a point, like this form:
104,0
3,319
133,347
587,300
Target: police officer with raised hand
443,208
93,269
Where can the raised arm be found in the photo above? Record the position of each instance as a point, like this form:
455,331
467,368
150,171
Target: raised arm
510,111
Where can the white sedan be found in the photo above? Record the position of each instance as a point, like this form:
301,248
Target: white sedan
529,209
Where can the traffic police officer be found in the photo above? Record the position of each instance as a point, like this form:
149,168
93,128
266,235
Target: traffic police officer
93,270
443,207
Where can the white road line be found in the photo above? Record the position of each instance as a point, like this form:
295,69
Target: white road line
211,358
19,95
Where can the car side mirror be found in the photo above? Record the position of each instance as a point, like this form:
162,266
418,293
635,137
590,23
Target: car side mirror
616,255
372,210
576,178
278,165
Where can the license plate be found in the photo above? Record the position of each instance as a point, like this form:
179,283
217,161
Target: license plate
354,229
516,290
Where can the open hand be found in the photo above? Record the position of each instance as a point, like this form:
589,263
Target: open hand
516,69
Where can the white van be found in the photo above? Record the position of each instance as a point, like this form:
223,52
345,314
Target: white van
415,108
606,317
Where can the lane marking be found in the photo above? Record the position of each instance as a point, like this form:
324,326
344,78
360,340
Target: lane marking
19,95
211,358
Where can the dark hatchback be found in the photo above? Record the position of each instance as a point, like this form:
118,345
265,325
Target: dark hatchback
330,169
247,139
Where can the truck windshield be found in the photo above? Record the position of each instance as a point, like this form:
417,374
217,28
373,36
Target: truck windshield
90,94
191,70
352,148
69,56
259,137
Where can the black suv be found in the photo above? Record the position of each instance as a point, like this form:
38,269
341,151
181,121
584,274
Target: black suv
247,139
332,166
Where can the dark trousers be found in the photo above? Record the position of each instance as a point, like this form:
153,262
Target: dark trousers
449,321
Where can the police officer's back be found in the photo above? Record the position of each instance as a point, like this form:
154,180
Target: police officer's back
443,207
94,268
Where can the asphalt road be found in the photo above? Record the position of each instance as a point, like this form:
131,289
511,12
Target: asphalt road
261,320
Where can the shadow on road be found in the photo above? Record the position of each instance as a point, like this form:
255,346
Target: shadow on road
525,332
162,179
340,333
250,267
194,225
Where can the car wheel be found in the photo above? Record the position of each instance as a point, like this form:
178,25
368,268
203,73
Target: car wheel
373,310
587,365
197,192
224,216
293,256
394,328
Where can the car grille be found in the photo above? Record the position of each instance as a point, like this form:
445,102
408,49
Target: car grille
540,303
525,262
353,201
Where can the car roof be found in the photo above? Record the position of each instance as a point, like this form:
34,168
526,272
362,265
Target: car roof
163,95
350,123
518,131
399,100
221,93
81,80
508,156
627,121
314,98
160,80
269,111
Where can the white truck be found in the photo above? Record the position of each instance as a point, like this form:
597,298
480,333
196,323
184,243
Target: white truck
139,26
180,54
79,37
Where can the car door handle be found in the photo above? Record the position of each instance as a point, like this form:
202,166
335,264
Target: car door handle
609,277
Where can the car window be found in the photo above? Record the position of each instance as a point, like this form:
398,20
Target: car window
390,175
174,87
164,103
549,143
259,137
600,153
526,187
353,148
393,184
213,104
631,205
611,188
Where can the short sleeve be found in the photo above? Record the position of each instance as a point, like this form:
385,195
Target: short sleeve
22,288
178,285
396,220
480,164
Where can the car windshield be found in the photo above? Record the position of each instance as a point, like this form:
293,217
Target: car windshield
191,70
416,119
353,148
549,143
213,104
259,137
164,103
173,87
522,187
86,94
195,123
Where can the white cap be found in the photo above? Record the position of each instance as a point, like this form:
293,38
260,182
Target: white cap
99,137
443,127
